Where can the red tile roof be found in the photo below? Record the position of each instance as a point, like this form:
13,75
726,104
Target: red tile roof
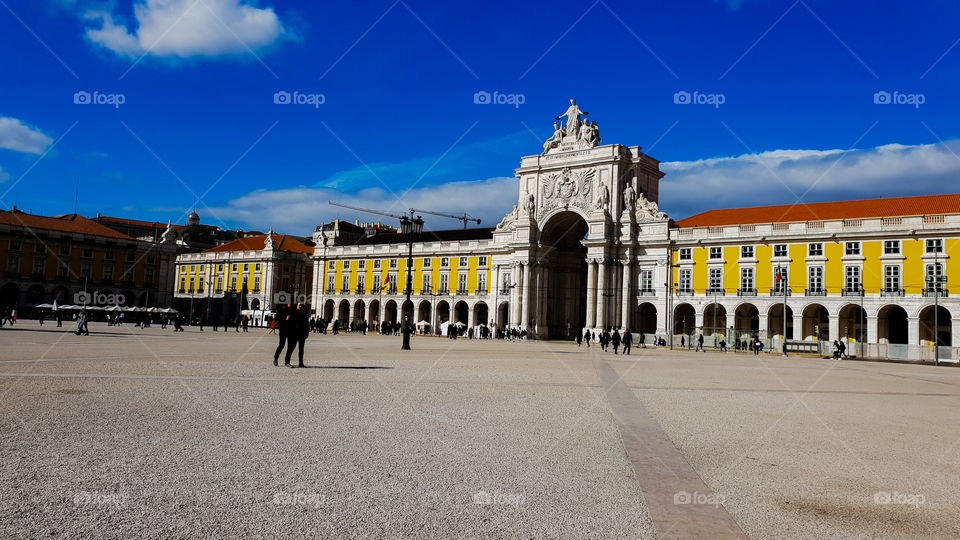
71,223
860,209
281,242
446,235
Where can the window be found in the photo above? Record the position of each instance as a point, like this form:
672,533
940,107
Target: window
13,262
746,252
425,286
39,266
87,253
246,268
781,280
233,284
64,251
462,283
233,268
345,284
108,272
426,263
86,269
151,259
220,268
200,284
716,281
14,245
815,279
131,257
934,277
360,283
39,248
444,283
891,278
716,253
183,284
686,254
330,283
646,281
393,263
779,250
483,261
686,281
505,286
62,270
482,283
891,247
376,263
746,280
852,248
852,279
363,265
935,245
392,284
444,262
463,261
148,276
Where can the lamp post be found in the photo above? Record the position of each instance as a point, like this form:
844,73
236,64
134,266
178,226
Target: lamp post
934,281
409,227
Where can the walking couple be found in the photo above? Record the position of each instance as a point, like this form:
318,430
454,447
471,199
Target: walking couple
294,327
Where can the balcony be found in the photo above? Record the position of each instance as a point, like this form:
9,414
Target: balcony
855,291
779,292
359,289
647,292
684,292
818,291
715,292
463,290
933,292
443,290
256,290
331,290
891,292
181,290
747,292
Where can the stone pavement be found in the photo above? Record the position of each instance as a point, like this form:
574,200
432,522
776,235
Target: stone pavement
148,433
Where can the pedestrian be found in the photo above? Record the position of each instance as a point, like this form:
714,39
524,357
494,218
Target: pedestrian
246,322
843,349
587,336
41,318
297,332
683,341
283,324
615,339
699,343
757,346
723,345
579,339
836,350
59,319
642,340
627,341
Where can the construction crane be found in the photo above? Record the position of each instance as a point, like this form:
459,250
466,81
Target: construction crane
369,211
465,218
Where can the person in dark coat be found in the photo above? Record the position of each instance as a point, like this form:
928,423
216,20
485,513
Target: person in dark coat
615,339
627,341
283,323
297,332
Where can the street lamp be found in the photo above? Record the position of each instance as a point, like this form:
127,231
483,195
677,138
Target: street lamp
409,227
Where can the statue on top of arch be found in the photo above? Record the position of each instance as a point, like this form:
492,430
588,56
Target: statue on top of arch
584,134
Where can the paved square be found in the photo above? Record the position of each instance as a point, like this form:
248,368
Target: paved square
148,433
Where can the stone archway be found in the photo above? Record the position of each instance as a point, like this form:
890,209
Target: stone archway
893,326
373,312
939,325
684,319
775,321
328,308
559,278
480,314
645,321
461,312
853,322
390,312
746,320
343,314
816,323
503,315
442,312
714,319
359,311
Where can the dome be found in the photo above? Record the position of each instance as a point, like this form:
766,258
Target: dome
193,218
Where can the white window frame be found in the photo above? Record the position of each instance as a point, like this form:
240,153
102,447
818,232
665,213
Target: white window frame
936,243
685,280
852,248
748,279
716,253
747,252
784,247
891,247
892,281
685,254
815,274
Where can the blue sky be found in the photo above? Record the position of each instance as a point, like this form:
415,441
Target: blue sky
398,125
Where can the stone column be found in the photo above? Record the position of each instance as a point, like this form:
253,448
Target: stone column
872,330
797,325
591,294
515,296
470,320
525,302
626,299
913,338
601,294
834,328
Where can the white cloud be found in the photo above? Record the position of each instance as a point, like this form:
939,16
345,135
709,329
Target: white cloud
786,176
15,135
300,210
186,28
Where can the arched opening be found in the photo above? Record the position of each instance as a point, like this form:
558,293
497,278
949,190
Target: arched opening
60,295
853,322
714,319
255,304
936,322
892,325
35,295
328,308
423,312
373,313
561,276
775,321
407,313
746,320
359,310
480,315
343,314
9,295
684,319
144,300
503,315
443,312
645,320
390,312
462,312
816,323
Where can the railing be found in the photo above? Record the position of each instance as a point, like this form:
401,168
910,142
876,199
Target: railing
684,292
443,290
715,292
359,289
648,292
815,292
256,290
181,290
933,292
852,292
891,292
746,292
463,291
779,292
331,290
